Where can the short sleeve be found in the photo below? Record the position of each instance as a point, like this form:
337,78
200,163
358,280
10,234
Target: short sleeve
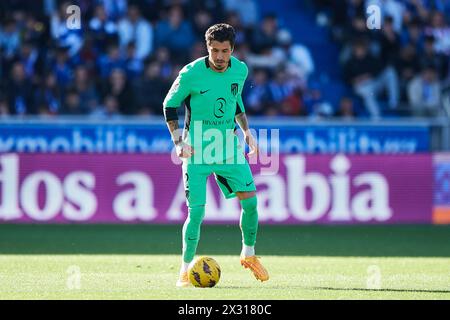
178,92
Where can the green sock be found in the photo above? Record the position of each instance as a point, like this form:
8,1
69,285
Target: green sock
249,220
191,232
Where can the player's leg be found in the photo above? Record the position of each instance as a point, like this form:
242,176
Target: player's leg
237,180
248,221
249,227
194,177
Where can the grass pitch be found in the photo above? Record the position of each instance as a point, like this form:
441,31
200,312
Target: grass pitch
304,262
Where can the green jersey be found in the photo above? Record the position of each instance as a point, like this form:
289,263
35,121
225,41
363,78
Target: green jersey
212,101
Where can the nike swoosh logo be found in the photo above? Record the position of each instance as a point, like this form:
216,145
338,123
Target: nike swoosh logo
247,184
202,92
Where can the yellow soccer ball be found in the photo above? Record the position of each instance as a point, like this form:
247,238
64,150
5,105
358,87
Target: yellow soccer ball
204,272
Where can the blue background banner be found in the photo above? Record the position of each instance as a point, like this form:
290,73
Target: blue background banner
141,137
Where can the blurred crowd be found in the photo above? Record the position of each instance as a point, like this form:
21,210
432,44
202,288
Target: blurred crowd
126,54
401,67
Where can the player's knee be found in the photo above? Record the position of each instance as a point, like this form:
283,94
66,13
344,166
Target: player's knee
245,194
249,204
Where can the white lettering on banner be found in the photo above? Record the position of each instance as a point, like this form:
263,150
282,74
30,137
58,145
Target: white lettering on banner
135,203
271,201
32,144
81,203
340,188
372,203
77,188
9,184
29,195
179,200
214,210
329,195
377,195
298,182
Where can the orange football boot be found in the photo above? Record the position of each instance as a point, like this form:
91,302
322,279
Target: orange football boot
183,280
256,267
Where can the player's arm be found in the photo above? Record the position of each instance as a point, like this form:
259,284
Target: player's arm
241,119
175,97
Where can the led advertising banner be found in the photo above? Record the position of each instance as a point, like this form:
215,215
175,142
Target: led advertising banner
148,188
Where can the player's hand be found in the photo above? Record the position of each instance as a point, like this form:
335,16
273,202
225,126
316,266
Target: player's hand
184,150
251,143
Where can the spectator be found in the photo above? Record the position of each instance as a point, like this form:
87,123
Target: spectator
267,58
30,58
115,9
119,87
356,30
389,43
298,59
20,91
266,35
162,55
247,9
256,95
214,7
85,89
4,108
134,28
424,93
365,74
346,109
133,65
407,66
9,39
317,107
151,89
72,105
47,96
440,30
355,8
202,21
413,34
234,20
62,67
282,87
35,31
112,60
109,109
103,30
292,105
176,34
431,57
198,50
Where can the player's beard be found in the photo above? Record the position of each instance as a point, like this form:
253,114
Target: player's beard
220,67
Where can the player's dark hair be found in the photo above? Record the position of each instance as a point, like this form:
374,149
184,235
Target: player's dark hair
220,32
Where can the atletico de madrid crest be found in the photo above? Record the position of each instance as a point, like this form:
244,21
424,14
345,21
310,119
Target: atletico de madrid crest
234,89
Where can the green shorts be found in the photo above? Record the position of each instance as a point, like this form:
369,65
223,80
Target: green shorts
230,178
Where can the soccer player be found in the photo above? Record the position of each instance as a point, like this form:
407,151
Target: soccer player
211,89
